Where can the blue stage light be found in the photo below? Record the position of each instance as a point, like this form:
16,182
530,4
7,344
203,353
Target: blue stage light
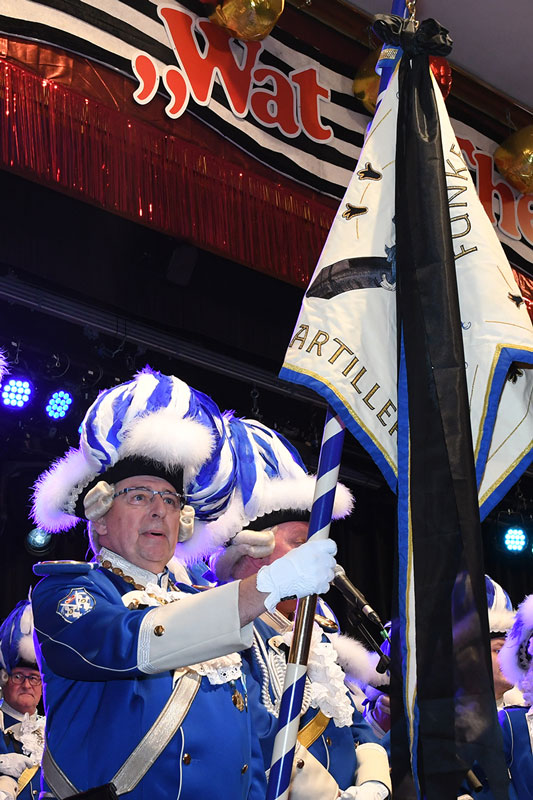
16,392
59,404
515,540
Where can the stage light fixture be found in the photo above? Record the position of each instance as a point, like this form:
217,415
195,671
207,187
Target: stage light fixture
38,542
515,540
16,392
59,404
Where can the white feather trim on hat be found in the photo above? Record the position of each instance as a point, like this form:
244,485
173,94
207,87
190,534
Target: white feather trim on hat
512,659
26,646
168,439
27,649
162,436
56,491
16,637
278,495
286,494
358,662
501,621
209,536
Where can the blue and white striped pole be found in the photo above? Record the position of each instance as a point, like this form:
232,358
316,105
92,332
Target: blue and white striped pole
319,525
293,688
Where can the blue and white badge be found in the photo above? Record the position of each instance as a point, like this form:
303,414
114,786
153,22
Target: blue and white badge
77,603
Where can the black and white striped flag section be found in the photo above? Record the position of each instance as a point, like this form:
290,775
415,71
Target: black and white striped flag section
414,330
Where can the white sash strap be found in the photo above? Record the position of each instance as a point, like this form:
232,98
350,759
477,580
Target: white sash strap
147,751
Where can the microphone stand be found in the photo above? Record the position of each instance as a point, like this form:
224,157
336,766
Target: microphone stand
356,618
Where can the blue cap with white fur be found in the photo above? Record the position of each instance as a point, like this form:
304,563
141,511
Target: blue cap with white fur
272,484
16,640
501,612
153,424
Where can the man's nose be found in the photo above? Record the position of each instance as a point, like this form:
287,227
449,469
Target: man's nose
158,506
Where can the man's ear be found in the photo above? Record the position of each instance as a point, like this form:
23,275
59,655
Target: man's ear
257,562
100,526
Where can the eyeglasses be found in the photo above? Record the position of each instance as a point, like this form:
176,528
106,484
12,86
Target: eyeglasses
18,678
141,496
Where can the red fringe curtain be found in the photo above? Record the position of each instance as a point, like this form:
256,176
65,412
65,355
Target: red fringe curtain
62,139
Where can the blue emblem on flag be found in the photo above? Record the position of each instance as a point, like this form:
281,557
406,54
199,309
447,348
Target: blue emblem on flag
77,603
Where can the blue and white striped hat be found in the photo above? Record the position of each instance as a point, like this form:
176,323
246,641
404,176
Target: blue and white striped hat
272,486
501,612
154,424
16,640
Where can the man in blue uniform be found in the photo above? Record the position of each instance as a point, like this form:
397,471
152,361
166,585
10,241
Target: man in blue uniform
516,660
144,692
21,727
272,504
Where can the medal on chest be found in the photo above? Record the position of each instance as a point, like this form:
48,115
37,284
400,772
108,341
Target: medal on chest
237,698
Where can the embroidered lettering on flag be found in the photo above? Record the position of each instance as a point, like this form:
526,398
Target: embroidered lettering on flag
344,345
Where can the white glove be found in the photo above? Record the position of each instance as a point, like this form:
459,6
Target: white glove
370,790
306,570
14,764
257,544
8,788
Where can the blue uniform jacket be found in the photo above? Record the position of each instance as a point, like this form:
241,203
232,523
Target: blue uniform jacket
9,744
99,704
518,750
335,748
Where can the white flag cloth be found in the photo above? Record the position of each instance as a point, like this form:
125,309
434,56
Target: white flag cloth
344,344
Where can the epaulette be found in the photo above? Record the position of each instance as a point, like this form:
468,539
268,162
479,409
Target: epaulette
44,568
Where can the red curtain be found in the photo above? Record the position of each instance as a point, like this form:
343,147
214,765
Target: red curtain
72,125
191,184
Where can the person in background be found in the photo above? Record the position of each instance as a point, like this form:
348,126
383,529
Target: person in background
22,728
516,660
268,520
501,618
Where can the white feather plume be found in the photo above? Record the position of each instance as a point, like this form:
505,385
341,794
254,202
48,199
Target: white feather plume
57,490
278,494
168,439
519,635
501,621
358,662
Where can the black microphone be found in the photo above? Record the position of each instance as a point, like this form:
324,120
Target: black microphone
354,596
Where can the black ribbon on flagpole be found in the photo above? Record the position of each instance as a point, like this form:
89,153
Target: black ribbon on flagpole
456,721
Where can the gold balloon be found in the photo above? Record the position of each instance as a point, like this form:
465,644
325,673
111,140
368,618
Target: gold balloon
514,159
251,20
366,81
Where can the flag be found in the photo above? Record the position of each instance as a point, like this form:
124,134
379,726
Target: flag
344,342
415,332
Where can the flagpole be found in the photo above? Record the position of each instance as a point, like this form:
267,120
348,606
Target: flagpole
390,56
293,688
319,525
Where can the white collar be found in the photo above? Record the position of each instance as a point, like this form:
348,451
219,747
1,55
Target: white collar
12,712
139,575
